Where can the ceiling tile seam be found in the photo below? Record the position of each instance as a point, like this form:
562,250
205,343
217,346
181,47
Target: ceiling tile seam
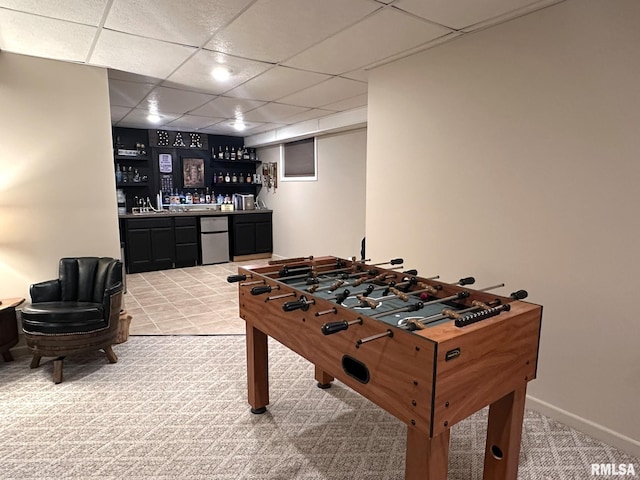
510,15
103,19
418,17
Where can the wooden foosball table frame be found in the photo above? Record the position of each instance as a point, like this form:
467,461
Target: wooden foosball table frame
429,378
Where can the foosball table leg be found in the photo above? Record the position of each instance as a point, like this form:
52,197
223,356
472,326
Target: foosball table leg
323,378
504,433
426,458
257,369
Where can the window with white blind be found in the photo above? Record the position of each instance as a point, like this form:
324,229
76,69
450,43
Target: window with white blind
298,161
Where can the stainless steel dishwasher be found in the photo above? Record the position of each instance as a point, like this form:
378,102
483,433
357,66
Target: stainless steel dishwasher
214,239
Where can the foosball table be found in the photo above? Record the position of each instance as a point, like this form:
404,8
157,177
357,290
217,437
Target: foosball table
430,353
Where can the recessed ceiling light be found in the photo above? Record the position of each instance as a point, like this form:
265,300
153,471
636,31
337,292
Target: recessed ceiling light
221,73
153,118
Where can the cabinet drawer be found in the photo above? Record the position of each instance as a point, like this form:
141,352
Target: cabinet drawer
252,217
185,221
149,223
188,234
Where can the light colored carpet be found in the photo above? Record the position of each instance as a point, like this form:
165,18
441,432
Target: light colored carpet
175,408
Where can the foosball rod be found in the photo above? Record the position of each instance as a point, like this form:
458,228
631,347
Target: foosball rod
344,269
372,289
404,296
290,260
453,314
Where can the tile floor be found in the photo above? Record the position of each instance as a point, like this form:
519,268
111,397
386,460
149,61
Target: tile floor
185,301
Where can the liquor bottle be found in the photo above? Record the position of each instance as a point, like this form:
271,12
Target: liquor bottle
234,178
245,154
130,174
233,154
207,196
182,197
227,155
220,153
241,178
195,197
249,178
252,154
220,178
227,198
220,199
215,177
118,174
136,176
227,178
188,198
240,153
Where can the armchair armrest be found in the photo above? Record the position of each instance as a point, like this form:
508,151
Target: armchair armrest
48,291
106,299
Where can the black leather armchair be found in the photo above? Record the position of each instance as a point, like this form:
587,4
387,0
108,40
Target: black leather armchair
77,312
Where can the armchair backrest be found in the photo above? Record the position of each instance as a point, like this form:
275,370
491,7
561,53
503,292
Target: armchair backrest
85,279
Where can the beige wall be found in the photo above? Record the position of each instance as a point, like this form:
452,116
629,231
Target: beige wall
325,217
57,187
516,160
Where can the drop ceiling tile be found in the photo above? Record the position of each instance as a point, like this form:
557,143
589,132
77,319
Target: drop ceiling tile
265,127
193,122
118,113
139,116
274,30
273,112
127,94
348,104
138,55
385,33
44,37
227,127
308,115
276,83
227,107
89,13
196,72
325,93
171,100
461,13
190,22
132,77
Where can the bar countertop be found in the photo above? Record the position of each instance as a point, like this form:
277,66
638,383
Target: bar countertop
192,213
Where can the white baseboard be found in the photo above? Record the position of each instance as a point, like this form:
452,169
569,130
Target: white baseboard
600,432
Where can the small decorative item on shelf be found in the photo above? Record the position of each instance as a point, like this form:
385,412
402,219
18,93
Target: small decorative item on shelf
178,142
141,149
196,142
163,138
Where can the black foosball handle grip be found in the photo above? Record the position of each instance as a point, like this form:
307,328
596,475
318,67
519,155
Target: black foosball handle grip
261,290
334,327
413,271
519,295
236,278
302,304
467,281
397,261
482,315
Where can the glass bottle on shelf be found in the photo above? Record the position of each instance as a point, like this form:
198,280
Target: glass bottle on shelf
136,175
118,174
233,153
220,198
227,178
227,155
188,198
207,195
249,178
220,178
234,178
252,154
245,153
241,178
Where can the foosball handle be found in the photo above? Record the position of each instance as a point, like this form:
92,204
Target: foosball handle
261,290
236,278
334,327
302,304
467,281
397,261
519,295
413,271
